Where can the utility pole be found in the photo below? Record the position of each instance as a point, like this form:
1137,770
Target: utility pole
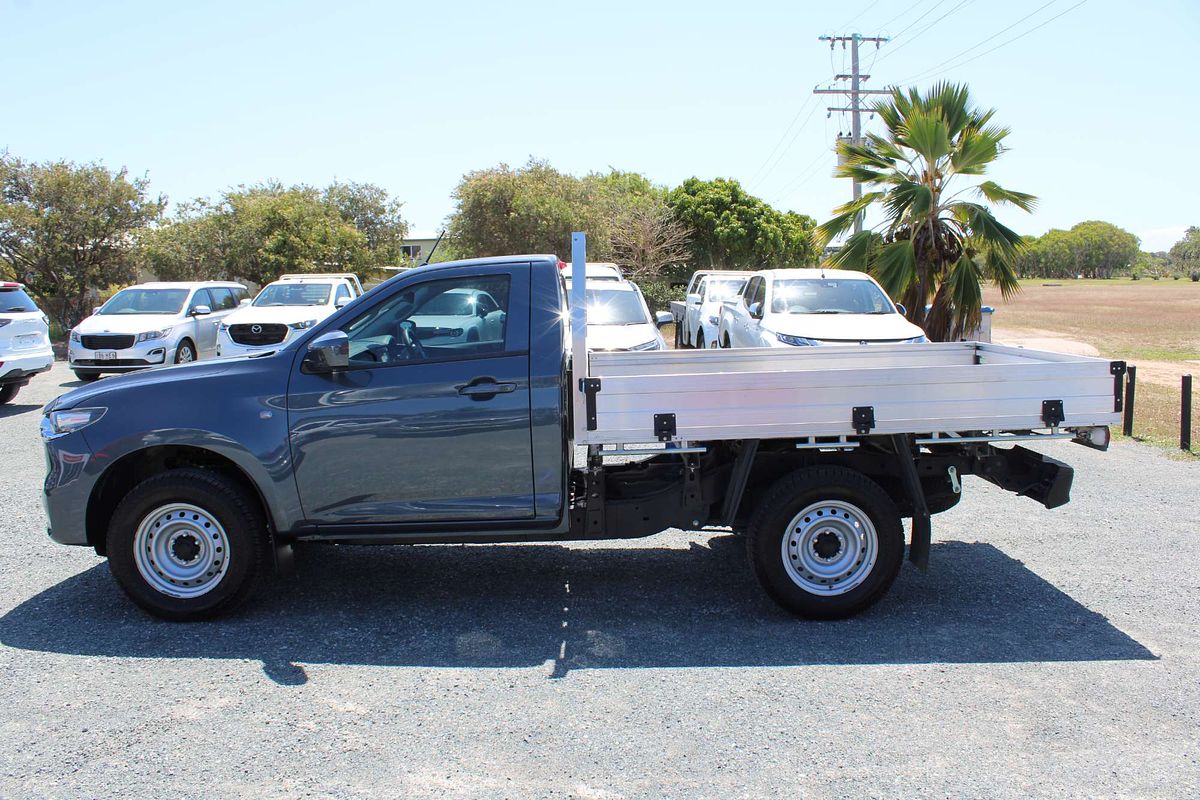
855,93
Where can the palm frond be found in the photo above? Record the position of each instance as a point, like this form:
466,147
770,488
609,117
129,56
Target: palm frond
998,194
926,133
896,268
856,252
843,218
981,224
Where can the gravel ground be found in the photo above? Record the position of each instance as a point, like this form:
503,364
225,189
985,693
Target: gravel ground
1046,653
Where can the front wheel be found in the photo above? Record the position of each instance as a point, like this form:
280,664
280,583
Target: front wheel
826,542
188,544
700,339
87,377
185,353
7,393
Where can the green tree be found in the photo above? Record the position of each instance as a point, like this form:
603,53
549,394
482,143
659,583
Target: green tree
531,209
374,213
933,242
733,229
1185,254
1093,249
69,230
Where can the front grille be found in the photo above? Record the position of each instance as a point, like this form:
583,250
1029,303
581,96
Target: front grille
266,334
107,341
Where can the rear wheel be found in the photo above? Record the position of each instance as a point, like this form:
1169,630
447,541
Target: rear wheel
7,393
188,544
826,542
678,336
700,339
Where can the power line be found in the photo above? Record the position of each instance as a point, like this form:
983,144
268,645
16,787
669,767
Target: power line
858,16
784,151
934,71
931,9
905,12
754,177
924,30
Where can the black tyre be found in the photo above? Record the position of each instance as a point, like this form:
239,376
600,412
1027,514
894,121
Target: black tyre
825,542
188,544
186,352
700,339
725,342
678,336
7,393
87,377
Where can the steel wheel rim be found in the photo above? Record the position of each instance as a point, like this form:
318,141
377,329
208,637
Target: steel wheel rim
830,547
185,355
181,550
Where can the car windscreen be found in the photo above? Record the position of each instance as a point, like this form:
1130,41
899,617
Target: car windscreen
724,290
829,296
13,300
293,294
615,307
450,304
145,301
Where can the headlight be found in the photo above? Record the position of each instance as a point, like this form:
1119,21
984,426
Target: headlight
917,340
645,346
713,319
797,341
74,335
60,423
303,326
150,336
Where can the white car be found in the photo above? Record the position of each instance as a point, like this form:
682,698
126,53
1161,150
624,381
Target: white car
152,324
596,271
24,340
458,316
685,323
702,312
803,307
619,319
282,310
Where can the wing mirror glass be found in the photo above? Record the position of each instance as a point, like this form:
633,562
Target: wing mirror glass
663,318
329,352
755,310
201,311
903,311
693,299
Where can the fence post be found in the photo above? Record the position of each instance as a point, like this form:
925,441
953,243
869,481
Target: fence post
1185,414
1130,387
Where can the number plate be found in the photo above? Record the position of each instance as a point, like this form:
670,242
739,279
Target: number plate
106,355
26,339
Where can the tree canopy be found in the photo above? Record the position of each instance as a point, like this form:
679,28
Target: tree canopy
1093,249
68,230
1185,254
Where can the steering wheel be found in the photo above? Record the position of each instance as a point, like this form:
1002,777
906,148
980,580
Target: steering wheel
407,334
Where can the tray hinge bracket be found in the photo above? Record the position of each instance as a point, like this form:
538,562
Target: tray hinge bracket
863,418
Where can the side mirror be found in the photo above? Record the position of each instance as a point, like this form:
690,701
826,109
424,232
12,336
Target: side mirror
663,318
245,301
693,299
755,310
903,311
96,310
329,352
201,311
341,302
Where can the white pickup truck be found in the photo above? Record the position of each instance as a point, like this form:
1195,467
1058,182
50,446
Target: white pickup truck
689,313
806,307
283,309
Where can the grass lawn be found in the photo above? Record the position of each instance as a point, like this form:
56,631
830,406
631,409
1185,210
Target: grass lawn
1154,325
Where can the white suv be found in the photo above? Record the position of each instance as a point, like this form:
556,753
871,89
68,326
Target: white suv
283,309
152,324
24,340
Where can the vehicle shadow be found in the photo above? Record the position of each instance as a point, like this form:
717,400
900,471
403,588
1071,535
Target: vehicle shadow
528,605
16,409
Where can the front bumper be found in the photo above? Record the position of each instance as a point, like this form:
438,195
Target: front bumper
71,473
153,353
20,366
227,348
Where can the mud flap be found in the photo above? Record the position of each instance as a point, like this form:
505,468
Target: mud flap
1028,474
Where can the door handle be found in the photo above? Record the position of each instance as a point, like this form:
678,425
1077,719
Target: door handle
485,389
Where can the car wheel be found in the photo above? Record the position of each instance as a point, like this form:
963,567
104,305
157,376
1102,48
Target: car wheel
188,544
700,339
7,393
87,377
725,342
826,542
678,336
185,353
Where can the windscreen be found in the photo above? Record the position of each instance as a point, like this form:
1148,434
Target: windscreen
724,289
293,294
615,307
145,301
13,300
829,296
450,304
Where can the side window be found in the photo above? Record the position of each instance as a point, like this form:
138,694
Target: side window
760,293
751,288
432,321
201,298
240,294
223,298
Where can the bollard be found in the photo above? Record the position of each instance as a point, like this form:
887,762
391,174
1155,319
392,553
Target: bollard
1130,386
1185,414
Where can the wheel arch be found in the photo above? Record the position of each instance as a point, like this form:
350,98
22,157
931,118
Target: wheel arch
132,468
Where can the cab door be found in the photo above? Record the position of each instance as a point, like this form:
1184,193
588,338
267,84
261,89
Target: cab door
414,432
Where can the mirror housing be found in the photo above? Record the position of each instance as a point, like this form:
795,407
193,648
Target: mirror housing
201,311
329,352
693,299
96,310
341,302
903,311
245,301
755,310
663,318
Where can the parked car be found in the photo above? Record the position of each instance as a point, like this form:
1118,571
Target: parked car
802,307
282,309
702,314
685,324
24,340
619,319
152,324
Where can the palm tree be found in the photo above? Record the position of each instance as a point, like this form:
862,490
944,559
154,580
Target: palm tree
934,243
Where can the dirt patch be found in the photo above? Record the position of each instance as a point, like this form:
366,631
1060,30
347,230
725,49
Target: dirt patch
1037,339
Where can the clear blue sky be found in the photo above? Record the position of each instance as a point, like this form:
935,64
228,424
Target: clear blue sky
204,96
